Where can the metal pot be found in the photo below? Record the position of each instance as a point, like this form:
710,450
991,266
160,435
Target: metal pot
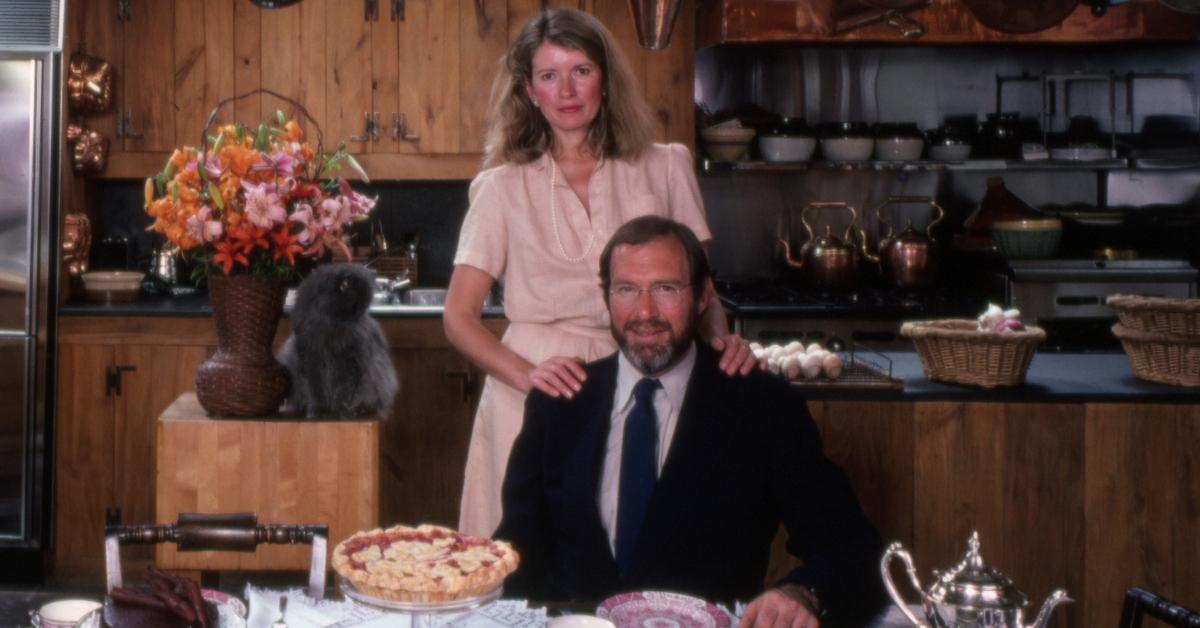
908,259
829,263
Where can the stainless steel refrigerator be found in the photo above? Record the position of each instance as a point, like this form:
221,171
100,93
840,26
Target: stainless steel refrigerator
30,79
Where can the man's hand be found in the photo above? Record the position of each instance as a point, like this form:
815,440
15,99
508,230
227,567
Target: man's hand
736,356
785,606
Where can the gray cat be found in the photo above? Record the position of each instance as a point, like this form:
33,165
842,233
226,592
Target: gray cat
337,355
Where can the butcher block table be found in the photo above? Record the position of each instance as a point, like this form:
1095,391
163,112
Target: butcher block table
284,469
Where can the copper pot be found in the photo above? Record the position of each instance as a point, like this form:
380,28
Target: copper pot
908,259
829,262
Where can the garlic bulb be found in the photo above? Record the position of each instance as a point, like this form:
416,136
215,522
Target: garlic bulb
810,365
832,365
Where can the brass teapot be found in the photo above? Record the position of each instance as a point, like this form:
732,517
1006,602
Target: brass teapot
969,594
831,263
907,259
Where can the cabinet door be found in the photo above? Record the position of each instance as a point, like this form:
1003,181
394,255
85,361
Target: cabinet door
156,375
424,443
83,459
149,85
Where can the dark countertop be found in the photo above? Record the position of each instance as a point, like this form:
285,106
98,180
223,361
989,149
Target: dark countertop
198,305
1052,378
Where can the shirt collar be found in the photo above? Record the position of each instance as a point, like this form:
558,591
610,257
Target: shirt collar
674,381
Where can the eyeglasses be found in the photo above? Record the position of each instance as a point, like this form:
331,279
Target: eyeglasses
663,294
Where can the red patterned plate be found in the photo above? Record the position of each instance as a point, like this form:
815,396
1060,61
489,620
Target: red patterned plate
659,609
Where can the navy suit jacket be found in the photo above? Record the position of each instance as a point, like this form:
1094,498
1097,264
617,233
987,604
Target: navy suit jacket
746,456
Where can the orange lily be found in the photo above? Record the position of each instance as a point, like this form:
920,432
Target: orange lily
286,244
227,254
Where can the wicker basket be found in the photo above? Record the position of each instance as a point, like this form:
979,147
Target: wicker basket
1162,315
956,351
1163,358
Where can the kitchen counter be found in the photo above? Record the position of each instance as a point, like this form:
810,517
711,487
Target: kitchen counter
1052,378
198,305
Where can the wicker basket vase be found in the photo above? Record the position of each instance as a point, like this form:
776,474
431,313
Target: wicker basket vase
955,351
243,378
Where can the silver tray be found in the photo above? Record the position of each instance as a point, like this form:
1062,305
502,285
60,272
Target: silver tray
452,606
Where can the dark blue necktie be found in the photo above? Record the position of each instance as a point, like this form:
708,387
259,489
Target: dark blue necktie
639,470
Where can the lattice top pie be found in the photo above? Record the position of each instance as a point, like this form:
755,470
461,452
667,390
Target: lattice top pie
428,563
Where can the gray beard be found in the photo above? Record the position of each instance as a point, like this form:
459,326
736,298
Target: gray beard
665,357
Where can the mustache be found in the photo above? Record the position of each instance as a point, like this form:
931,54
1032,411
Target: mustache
647,325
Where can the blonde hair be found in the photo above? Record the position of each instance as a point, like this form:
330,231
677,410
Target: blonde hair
518,133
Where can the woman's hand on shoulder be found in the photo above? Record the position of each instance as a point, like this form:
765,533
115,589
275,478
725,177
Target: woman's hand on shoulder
736,355
558,376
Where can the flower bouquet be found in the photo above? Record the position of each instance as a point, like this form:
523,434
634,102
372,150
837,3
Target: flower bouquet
255,202
245,208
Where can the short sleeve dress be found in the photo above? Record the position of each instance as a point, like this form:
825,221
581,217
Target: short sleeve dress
548,263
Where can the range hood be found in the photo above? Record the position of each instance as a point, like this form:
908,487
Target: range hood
720,21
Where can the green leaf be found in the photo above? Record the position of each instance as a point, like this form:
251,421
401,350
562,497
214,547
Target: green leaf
279,119
175,192
160,183
260,139
216,147
354,165
214,195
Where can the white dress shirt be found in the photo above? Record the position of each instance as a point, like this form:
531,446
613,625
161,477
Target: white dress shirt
667,402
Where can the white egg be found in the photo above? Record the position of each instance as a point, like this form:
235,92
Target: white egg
791,367
794,346
810,365
773,366
832,365
813,348
759,353
755,347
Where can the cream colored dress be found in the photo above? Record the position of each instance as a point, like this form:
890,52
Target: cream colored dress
554,304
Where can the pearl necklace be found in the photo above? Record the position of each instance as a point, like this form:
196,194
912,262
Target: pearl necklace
554,221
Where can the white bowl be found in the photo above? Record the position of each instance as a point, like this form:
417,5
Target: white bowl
112,285
847,148
784,148
950,152
898,148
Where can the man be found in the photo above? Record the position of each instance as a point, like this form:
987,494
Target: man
664,474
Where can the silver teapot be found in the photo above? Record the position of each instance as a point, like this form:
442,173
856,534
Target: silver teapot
967,595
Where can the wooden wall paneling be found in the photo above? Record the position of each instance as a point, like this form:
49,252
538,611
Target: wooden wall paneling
83,454
385,79
429,44
1014,472
160,375
191,74
93,29
247,71
313,63
1142,504
348,73
220,62
282,64
149,86
482,37
669,81
616,17
520,12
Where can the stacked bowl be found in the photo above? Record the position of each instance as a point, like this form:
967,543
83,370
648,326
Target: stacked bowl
726,143
1031,238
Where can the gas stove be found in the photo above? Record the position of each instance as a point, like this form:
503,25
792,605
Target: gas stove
775,311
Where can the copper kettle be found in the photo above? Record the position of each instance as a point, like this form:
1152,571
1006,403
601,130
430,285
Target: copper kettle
831,263
908,259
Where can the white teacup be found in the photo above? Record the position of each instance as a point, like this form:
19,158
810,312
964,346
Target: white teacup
62,613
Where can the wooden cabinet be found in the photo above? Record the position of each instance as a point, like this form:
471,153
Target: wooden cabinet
407,91
117,375
1090,497
944,21
111,388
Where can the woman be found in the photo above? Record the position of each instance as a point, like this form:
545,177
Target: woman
569,159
